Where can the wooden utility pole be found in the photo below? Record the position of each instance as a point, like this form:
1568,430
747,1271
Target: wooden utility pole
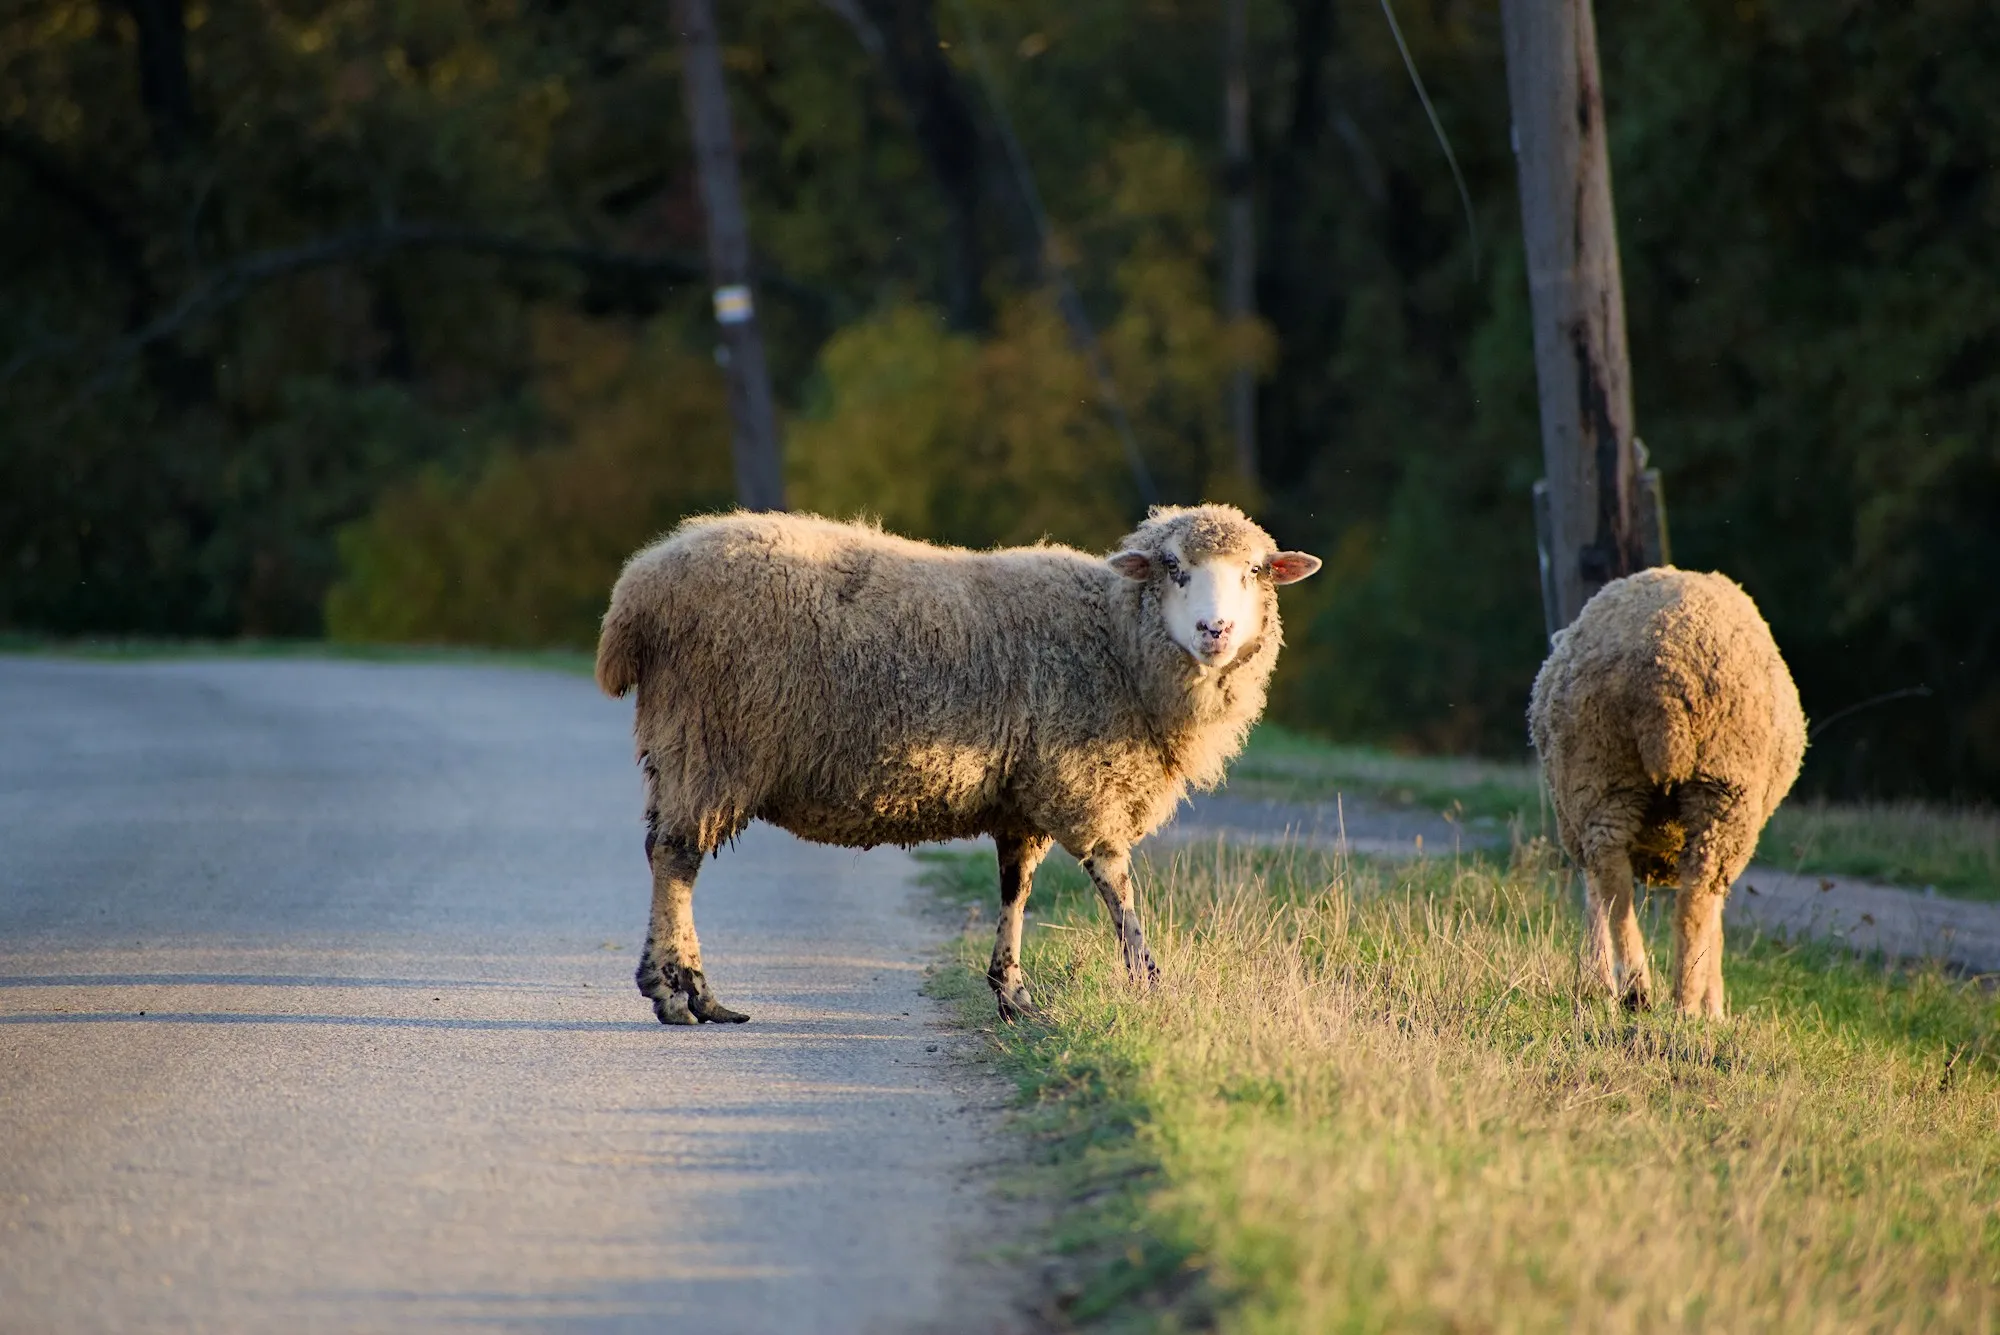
760,483
1597,511
1239,293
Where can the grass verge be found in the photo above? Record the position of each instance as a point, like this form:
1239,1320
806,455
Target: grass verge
142,648
1902,843
1370,1096
1955,850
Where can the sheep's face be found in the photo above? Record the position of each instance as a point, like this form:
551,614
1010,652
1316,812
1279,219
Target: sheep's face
1211,580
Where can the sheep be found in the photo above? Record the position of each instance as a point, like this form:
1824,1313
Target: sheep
1668,730
858,688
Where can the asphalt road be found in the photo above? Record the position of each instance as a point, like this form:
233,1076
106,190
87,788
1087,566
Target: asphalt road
316,1013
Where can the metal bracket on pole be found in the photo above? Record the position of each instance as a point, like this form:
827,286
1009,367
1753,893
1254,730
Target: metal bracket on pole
1654,547
1649,499
1544,550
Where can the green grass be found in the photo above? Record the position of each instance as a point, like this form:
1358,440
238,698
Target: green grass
1901,843
1374,1097
1293,767
140,647
1956,850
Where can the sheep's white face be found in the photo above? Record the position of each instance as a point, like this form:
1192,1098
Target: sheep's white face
1214,607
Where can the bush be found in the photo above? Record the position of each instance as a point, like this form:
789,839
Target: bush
523,551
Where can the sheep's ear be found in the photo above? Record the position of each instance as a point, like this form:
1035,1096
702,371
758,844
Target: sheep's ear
1132,565
1291,567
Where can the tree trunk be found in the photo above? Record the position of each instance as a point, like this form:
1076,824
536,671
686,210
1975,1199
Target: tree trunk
1239,295
1293,289
754,436
903,35
164,89
1593,529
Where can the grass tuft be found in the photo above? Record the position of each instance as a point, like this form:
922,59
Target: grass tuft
1375,1096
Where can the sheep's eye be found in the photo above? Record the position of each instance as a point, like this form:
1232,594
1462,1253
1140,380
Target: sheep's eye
1171,564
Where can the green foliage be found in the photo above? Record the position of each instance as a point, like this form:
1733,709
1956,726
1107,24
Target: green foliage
1005,438
185,531
1811,255
943,436
1807,220
522,552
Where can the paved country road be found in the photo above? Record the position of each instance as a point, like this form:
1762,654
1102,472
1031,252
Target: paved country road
316,1013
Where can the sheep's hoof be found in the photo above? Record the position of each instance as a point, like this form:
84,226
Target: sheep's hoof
1638,996
701,1002
1143,968
1015,1003
710,1011
672,1008
682,996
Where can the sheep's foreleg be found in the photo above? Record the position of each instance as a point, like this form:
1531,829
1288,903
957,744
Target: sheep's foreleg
1110,871
1019,856
670,968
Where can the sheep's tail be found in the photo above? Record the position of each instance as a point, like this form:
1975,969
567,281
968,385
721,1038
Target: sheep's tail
1666,738
621,648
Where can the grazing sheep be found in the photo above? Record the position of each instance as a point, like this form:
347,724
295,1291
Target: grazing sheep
857,688
1669,731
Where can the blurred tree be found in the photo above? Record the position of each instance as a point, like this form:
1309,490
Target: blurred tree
1004,439
760,483
522,550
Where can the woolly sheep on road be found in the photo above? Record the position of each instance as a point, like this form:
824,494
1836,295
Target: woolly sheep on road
1669,730
858,688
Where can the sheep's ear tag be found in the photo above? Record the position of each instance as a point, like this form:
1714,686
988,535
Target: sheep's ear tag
1291,567
1132,565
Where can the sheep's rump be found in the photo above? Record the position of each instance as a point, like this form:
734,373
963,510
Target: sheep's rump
848,685
1667,678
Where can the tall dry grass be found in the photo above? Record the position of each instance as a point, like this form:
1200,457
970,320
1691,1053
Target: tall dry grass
1373,1097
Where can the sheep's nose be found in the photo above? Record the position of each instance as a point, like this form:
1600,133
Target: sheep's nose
1215,630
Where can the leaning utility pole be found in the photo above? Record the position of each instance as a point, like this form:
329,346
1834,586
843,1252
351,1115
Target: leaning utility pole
760,484
1239,292
1597,511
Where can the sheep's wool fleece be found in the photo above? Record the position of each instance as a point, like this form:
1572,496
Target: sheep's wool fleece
859,688
1667,677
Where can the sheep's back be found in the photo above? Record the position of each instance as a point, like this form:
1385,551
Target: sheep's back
850,685
1666,677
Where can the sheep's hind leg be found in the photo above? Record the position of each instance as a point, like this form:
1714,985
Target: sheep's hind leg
670,967
1716,852
1019,856
1614,948
1110,870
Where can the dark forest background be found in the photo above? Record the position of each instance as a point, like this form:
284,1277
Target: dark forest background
385,319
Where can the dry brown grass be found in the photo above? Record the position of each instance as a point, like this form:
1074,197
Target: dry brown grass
1376,1098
